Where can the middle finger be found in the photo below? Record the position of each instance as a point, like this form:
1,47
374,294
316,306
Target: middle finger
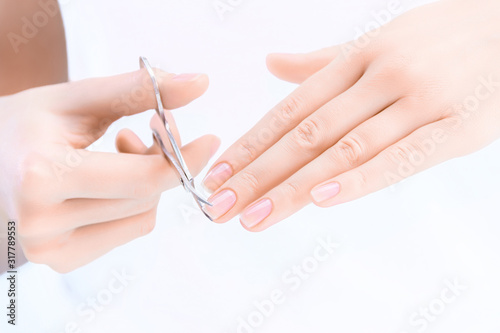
309,139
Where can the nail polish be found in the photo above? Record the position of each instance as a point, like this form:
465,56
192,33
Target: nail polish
256,213
325,192
222,202
216,177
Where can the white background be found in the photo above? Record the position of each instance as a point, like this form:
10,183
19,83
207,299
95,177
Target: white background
397,247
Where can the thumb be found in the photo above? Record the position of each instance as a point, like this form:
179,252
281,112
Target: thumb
126,94
297,68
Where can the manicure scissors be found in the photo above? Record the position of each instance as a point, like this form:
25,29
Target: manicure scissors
175,158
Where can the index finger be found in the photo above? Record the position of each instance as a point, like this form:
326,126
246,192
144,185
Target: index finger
125,94
315,92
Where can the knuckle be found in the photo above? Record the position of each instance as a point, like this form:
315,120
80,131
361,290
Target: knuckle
361,178
34,175
247,150
52,253
352,150
402,68
361,51
36,221
398,154
291,189
34,224
404,153
26,228
290,107
307,135
362,55
249,180
398,67
399,62
381,77
36,256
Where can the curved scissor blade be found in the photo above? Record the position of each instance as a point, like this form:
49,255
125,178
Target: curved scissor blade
176,159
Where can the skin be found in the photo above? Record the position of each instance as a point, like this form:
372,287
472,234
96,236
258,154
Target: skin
423,90
72,205
42,61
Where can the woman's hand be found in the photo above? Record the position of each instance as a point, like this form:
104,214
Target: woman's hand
73,205
423,89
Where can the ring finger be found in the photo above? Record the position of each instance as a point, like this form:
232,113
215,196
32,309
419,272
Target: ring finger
354,149
301,145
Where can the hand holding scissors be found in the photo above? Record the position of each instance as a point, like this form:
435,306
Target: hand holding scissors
73,205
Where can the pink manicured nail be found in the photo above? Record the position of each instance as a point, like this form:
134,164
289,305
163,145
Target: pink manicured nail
256,213
222,203
185,77
217,176
325,192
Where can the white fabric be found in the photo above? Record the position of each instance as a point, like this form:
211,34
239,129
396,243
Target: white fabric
397,247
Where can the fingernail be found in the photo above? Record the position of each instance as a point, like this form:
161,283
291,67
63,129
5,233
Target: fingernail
216,177
186,77
325,192
256,213
221,204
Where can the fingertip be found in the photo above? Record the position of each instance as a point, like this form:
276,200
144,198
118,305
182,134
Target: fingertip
288,66
216,142
188,89
128,142
297,67
199,81
272,59
252,230
199,152
202,83
181,89
277,62
257,228
212,143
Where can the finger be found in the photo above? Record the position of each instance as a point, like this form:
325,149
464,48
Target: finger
424,148
315,92
304,143
297,68
128,142
125,94
157,124
114,176
75,213
88,243
355,148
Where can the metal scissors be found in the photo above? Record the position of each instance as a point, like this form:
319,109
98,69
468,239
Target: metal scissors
176,158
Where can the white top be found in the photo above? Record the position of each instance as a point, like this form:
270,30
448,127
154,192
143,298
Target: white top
400,249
